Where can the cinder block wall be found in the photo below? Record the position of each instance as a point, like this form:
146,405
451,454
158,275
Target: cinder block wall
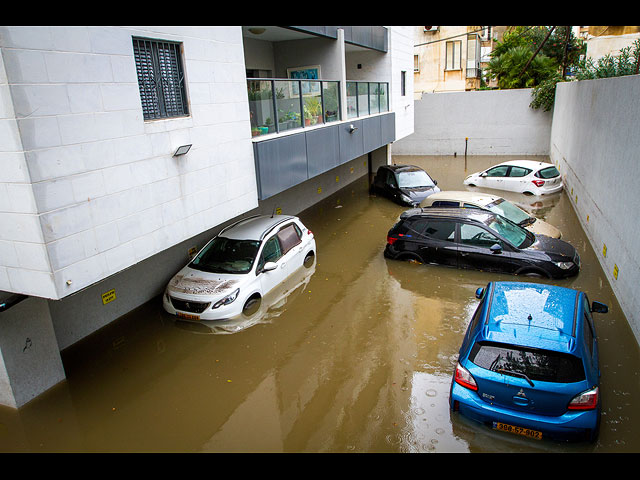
595,144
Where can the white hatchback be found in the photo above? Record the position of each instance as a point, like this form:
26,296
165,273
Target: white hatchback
238,267
523,176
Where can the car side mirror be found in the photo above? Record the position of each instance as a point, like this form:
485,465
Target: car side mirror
269,266
435,182
599,307
496,248
479,292
483,174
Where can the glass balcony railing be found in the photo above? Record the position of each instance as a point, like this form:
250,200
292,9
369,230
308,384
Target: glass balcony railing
367,98
277,105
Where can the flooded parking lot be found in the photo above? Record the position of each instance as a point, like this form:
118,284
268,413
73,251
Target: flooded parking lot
353,354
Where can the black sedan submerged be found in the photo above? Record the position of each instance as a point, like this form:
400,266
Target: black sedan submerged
481,240
404,184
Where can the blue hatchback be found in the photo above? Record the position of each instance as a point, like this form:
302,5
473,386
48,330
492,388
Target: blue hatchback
528,363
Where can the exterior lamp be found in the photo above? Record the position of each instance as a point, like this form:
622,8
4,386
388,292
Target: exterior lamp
182,150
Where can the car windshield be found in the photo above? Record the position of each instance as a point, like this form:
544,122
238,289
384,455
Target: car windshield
226,255
514,234
548,172
414,179
510,211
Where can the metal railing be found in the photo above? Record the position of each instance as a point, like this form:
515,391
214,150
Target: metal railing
277,105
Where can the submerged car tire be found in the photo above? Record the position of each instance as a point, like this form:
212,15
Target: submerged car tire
252,305
534,274
309,259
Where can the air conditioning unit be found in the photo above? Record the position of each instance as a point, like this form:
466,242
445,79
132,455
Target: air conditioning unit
431,29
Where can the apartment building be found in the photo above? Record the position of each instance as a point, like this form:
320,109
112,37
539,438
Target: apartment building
451,58
126,148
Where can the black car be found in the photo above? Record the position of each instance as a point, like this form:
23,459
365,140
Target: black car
404,184
478,239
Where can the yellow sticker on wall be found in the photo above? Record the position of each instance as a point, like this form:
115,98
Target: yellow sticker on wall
319,189
337,179
604,250
109,296
278,211
615,271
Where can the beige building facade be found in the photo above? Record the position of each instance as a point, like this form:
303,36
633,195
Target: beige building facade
451,58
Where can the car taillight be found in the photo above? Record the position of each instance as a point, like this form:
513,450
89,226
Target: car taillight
309,232
464,378
585,401
538,183
391,240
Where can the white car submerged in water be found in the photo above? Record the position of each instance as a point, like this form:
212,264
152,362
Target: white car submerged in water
523,176
238,267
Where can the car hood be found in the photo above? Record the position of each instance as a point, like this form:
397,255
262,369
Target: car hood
418,194
189,281
554,247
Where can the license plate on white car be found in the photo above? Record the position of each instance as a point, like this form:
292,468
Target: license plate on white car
188,316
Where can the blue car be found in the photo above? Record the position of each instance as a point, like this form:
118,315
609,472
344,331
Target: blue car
528,363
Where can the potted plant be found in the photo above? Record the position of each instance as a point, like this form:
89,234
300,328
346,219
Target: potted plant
312,109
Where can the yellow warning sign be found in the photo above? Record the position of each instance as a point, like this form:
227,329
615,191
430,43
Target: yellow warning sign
109,296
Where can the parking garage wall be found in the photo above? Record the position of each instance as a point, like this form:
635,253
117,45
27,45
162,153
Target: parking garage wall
595,144
495,122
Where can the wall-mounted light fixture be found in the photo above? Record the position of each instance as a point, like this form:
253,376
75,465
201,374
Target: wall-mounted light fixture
182,150
352,128
257,30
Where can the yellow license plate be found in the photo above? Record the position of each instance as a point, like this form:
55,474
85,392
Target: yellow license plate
187,316
526,432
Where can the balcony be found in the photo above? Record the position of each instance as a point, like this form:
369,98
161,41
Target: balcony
276,105
299,130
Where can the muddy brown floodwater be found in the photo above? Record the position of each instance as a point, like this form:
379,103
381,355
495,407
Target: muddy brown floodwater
354,354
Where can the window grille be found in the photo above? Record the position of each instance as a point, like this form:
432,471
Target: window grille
160,78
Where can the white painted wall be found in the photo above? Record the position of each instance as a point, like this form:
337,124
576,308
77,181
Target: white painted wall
496,122
97,189
595,143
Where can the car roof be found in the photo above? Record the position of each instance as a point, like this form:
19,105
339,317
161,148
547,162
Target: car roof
533,315
403,168
255,227
463,196
533,164
452,213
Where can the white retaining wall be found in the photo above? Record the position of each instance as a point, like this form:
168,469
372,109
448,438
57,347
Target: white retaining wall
595,142
496,122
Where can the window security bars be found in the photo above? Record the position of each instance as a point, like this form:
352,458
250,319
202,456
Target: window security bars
160,78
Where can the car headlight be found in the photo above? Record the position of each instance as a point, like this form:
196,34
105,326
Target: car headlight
406,199
564,265
228,299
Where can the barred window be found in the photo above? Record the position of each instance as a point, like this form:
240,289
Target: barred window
160,78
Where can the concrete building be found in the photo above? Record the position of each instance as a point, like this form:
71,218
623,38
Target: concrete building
451,58
124,149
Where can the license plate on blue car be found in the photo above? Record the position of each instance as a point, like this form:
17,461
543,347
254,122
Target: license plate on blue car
526,432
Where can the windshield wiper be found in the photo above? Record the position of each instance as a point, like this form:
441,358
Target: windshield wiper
515,374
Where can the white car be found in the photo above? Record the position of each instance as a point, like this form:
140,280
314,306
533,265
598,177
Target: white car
523,176
495,204
238,267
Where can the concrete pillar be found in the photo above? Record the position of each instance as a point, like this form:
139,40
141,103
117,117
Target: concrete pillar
30,360
343,75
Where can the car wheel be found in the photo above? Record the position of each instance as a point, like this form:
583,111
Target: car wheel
534,274
410,257
252,305
309,259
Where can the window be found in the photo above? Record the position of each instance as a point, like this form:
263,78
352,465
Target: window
270,253
289,237
160,78
403,83
453,52
416,63
498,171
549,172
519,172
436,229
477,236
536,364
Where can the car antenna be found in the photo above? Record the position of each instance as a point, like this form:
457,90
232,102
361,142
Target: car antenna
274,211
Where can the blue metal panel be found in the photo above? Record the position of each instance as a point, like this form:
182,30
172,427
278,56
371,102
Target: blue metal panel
351,144
388,128
281,163
323,150
371,131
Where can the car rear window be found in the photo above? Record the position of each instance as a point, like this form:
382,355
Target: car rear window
542,365
549,172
